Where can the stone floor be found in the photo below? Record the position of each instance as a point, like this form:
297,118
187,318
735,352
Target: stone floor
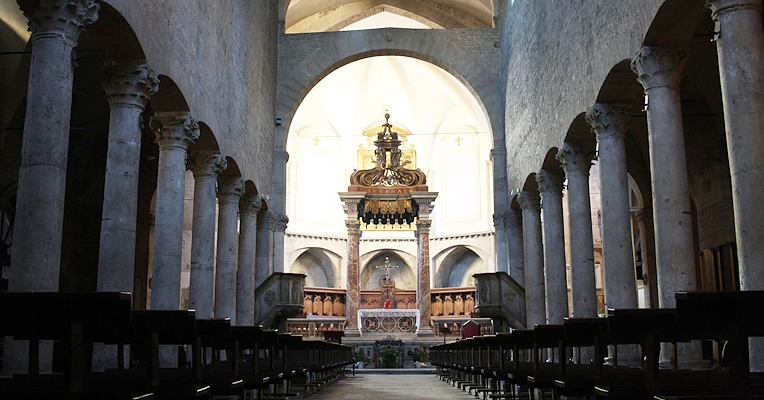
391,386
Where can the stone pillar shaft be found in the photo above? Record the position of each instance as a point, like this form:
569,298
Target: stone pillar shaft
206,167
230,190
353,292
264,250
660,72
576,160
245,274
609,123
424,303
174,132
535,304
514,221
278,243
555,279
502,252
128,88
36,250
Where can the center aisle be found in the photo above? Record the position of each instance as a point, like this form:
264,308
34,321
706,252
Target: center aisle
391,386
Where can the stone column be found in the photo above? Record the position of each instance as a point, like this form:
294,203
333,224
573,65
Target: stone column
424,302
514,226
576,160
36,250
609,123
555,280
535,304
740,48
660,71
353,292
206,166
264,259
645,223
278,242
128,86
280,159
230,190
249,206
502,252
174,132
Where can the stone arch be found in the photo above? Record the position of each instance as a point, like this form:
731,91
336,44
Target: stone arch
319,61
320,270
169,97
404,276
456,265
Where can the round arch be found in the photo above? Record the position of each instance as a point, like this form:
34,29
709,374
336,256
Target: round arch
456,265
371,276
318,267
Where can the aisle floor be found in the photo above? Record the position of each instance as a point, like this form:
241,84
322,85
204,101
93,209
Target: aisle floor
391,386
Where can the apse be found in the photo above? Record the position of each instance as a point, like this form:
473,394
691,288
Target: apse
457,268
318,268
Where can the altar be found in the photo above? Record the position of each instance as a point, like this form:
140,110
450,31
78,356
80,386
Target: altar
388,321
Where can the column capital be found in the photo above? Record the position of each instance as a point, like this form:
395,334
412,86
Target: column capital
281,222
658,67
267,221
513,220
423,225
207,163
250,204
498,152
128,83
354,227
230,189
719,7
550,182
576,159
500,220
609,121
645,213
174,129
64,20
529,200
280,155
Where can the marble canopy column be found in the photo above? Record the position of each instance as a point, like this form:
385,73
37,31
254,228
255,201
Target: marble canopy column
38,227
280,226
609,123
174,132
514,227
424,303
576,159
206,167
555,280
740,48
535,304
266,224
230,190
502,251
660,72
353,291
249,206
128,86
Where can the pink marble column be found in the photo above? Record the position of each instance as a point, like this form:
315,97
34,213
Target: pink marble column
353,293
423,282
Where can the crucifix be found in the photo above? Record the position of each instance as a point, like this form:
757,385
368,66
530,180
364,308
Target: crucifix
386,300
387,267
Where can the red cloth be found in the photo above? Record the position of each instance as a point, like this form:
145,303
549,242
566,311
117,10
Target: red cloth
388,304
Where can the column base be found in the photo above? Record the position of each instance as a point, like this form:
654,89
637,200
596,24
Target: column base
352,332
426,332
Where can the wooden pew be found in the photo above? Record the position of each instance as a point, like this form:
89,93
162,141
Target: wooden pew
546,338
75,321
221,375
578,379
250,370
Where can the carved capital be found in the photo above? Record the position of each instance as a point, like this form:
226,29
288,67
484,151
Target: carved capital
609,121
550,182
128,84
499,220
658,67
513,220
266,221
61,19
281,155
174,129
281,222
576,159
250,204
719,7
230,189
423,226
354,227
207,163
529,200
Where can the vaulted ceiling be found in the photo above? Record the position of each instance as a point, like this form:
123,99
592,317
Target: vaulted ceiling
333,15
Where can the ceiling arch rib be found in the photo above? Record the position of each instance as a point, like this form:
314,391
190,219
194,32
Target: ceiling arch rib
304,16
